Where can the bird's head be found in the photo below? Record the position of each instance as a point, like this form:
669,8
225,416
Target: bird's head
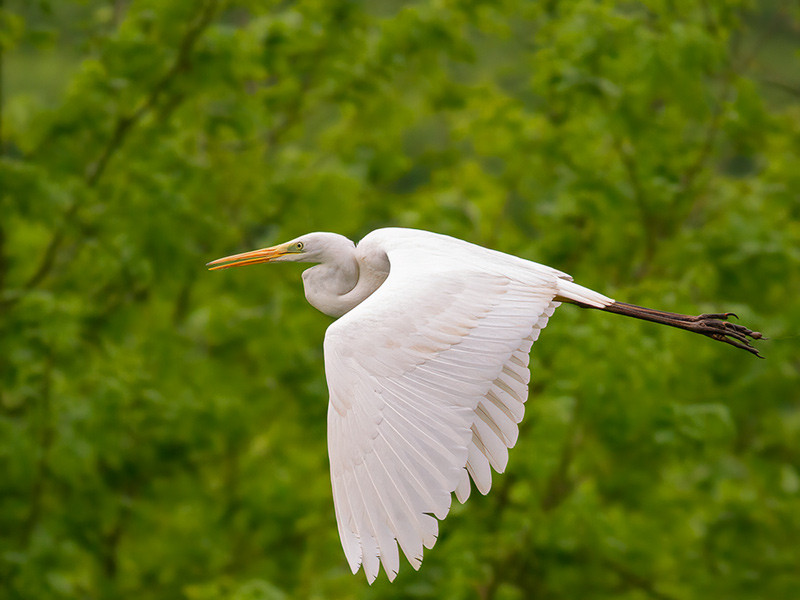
309,248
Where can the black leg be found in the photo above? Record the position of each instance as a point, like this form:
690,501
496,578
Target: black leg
713,325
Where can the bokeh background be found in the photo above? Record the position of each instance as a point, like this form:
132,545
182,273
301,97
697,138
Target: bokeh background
162,428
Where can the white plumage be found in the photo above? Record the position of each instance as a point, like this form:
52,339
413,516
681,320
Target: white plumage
427,369
428,377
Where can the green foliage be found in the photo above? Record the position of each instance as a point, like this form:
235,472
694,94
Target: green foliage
162,428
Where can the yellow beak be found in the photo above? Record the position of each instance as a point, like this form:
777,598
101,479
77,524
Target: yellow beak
248,258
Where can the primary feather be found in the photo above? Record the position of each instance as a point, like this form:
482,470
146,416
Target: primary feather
428,377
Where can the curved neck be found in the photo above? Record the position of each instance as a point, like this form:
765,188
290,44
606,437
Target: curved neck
337,288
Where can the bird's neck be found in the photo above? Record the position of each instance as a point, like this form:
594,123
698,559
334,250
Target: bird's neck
337,288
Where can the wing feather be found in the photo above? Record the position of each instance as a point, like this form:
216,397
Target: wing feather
492,438
490,444
501,409
478,466
368,537
427,378
384,519
344,508
409,532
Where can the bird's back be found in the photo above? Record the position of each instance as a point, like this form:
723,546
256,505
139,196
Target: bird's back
439,247
418,249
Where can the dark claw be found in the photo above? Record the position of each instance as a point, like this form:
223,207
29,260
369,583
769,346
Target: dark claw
719,316
731,333
740,331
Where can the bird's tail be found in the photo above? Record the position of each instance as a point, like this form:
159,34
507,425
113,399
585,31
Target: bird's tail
569,291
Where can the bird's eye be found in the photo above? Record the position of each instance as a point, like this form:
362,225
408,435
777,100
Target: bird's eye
298,246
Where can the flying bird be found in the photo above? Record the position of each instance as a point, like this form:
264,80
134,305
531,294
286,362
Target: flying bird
427,370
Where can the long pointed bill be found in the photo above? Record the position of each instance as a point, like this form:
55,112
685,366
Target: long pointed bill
248,258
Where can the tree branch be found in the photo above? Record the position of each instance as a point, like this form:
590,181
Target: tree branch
560,485
181,63
3,263
46,435
626,157
2,56
785,87
634,580
695,168
122,128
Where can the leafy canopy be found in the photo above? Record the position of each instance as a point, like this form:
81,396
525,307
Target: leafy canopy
162,429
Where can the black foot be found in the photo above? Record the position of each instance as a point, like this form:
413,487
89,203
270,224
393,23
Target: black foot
717,327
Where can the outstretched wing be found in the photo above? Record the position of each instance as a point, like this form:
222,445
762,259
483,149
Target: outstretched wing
427,381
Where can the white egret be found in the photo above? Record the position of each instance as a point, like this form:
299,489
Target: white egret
427,370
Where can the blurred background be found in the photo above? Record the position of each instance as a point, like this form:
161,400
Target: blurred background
162,428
